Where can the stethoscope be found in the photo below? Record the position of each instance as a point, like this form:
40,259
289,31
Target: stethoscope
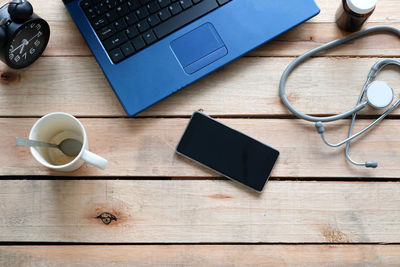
377,94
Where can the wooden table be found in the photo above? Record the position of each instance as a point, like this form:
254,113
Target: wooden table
316,209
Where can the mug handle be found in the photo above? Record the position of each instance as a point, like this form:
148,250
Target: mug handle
94,159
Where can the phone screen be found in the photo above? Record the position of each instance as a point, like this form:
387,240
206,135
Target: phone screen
227,151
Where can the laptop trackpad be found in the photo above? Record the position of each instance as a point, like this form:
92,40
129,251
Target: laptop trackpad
198,48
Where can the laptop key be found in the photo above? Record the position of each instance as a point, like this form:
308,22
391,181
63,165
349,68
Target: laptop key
149,37
143,26
153,7
106,32
110,3
153,20
223,2
131,19
138,43
90,13
164,3
185,17
127,49
196,1
111,15
175,8
131,32
185,4
133,4
164,14
142,12
116,55
115,40
100,7
85,4
120,24
99,22
122,10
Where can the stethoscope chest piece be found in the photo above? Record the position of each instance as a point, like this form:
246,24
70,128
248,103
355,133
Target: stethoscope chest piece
379,94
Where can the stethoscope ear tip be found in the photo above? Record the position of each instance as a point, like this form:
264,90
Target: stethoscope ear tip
371,164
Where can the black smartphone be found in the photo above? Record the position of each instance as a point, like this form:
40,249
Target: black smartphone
227,151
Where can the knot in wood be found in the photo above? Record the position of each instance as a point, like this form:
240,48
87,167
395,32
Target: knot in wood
107,217
8,77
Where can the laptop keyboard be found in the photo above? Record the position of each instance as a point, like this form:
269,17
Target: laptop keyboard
128,26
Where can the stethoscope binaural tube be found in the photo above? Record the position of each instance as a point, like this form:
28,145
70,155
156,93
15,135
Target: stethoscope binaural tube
360,104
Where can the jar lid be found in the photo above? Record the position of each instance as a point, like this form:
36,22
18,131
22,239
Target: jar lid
361,6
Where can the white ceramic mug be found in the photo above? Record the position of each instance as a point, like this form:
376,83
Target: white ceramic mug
54,128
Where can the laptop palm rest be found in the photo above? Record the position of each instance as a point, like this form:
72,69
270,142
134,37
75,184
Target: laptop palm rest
198,48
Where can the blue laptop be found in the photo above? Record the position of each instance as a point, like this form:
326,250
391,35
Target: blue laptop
149,49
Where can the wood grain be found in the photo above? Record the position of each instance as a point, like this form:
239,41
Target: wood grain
199,211
201,255
146,148
246,87
310,35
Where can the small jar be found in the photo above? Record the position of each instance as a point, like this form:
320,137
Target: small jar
352,14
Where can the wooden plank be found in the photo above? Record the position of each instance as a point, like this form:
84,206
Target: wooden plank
67,41
202,255
310,35
183,211
386,11
246,87
146,148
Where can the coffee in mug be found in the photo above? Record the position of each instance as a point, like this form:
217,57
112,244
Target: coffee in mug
54,128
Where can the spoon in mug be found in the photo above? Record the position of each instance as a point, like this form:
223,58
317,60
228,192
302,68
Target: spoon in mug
69,146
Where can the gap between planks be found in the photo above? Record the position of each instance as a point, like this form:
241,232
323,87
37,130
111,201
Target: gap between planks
193,178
